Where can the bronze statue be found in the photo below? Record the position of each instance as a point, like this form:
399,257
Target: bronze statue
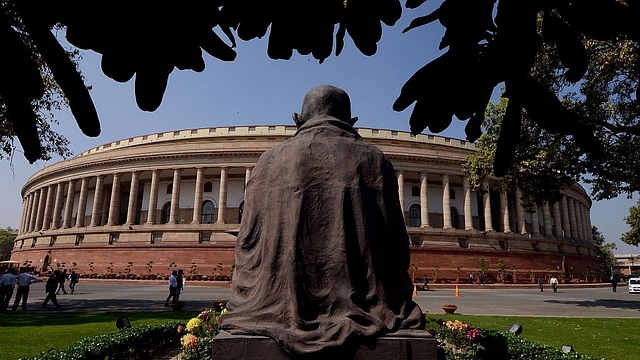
322,256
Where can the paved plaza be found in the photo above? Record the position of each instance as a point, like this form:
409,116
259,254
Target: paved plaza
569,301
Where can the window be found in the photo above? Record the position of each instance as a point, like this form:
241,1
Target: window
79,239
560,249
414,215
464,243
113,238
208,186
415,241
534,247
502,244
156,238
577,249
170,189
205,237
455,218
415,191
52,241
207,212
452,194
21,243
166,213
34,242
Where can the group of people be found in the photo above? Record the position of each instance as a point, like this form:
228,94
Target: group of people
53,286
176,286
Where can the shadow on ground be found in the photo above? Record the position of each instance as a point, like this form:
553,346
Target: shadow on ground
607,303
116,305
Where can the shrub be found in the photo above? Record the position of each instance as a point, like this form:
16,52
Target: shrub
141,342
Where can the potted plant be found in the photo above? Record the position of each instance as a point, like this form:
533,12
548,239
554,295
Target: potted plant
532,276
149,266
219,304
91,267
514,271
449,308
435,274
458,272
501,270
177,305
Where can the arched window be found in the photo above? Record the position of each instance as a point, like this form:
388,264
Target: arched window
208,186
455,221
415,191
169,188
414,215
207,212
166,213
452,194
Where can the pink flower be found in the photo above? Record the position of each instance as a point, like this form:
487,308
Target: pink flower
180,329
473,334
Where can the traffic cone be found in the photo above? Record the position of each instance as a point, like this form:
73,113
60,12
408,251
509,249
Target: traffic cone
415,290
457,291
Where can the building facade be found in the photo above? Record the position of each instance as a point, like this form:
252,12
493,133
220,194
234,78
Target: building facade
149,203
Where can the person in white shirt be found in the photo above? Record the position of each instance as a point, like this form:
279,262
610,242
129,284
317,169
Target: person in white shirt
173,287
6,288
554,283
24,280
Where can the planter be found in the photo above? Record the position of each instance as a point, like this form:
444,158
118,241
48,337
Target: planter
449,309
218,305
177,306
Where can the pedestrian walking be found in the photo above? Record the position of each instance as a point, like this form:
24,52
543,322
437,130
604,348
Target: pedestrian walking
554,283
540,283
614,282
51,287
425,282
73,280
471,278
173,287
180,281
24,281
62,277
6,288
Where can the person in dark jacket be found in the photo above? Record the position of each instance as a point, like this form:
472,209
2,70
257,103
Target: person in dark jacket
62,277
51,287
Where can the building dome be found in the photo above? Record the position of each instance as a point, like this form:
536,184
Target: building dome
150,203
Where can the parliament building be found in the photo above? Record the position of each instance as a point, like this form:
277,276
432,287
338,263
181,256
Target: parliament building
150,203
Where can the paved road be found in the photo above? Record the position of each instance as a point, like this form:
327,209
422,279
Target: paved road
498,300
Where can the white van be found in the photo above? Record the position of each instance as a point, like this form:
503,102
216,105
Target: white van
634,285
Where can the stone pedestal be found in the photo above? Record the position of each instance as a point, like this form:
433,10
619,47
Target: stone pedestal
403,345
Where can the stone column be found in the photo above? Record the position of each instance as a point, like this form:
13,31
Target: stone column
588,216
572,219
546,217
97,201
424,201
222,196
197,199
522,226
585,227
401,189
34,210
247,176
566,226
114,204
557,219
504,207
24,224
153,198
133,198
41,204
579,227
175,198
468,216
57,209
68,204
535,223
82,202
446,202
106,198
48,208
486,197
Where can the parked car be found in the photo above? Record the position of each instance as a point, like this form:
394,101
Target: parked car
634,285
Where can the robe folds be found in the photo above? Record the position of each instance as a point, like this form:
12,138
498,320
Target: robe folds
322,256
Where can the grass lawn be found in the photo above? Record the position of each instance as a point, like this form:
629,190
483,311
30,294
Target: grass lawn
609,338
25,334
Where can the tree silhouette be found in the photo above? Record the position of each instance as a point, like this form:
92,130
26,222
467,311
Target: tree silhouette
489,42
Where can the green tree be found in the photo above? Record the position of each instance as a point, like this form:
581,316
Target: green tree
604,251
632,237
6,243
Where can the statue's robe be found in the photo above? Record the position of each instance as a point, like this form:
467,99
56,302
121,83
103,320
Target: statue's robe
322,256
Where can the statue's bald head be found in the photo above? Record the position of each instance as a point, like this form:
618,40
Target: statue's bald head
325,100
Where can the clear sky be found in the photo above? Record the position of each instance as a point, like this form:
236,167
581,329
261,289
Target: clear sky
254,90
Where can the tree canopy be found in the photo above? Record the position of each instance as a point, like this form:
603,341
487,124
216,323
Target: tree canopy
487,42
6,243
632,237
